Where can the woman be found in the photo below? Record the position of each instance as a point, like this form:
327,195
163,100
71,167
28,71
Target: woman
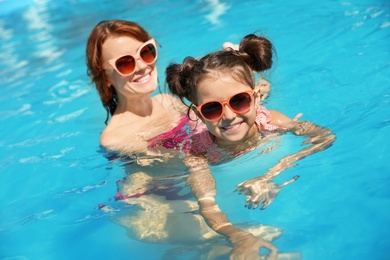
121,60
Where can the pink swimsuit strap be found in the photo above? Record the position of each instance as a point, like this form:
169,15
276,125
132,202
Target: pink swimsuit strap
177,138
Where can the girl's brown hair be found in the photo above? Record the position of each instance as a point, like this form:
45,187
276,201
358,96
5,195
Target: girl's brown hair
254,54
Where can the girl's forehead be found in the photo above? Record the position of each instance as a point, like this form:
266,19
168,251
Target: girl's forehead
220,86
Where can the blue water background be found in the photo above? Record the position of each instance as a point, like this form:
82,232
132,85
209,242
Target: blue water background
333,65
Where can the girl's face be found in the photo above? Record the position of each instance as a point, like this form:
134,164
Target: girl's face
231,128
143,80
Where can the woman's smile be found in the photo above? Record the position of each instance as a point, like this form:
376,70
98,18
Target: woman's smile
144,78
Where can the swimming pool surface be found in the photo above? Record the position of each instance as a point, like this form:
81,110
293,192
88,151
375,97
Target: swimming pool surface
333,65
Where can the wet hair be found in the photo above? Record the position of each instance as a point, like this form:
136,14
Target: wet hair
94,56
254,54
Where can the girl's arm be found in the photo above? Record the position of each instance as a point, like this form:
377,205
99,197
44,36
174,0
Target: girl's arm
319,139
203,186
261,190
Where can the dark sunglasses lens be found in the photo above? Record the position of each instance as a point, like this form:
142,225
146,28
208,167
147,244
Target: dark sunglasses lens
125,64
148,53
211,110
240,102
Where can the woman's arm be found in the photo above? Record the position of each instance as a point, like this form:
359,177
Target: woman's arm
203,186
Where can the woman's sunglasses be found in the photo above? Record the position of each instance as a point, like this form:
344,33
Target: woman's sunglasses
125,65
213,110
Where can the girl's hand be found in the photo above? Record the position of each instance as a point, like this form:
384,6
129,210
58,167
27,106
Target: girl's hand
227,45
261,191
247,246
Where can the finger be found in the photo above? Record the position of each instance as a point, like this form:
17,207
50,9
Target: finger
273,254
297,116
257,204
290,181
249,204
239,189
269,246
266,204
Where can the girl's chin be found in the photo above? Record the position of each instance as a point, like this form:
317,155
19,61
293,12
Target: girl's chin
230,139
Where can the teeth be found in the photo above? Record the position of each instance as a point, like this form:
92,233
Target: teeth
230,126
143,79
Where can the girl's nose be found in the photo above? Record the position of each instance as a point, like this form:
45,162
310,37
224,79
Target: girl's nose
228,114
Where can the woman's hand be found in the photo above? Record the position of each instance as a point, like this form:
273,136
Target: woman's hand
261,191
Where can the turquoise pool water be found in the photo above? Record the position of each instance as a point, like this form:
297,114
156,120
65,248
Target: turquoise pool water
333,65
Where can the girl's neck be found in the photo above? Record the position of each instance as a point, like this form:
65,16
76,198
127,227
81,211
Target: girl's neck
240,146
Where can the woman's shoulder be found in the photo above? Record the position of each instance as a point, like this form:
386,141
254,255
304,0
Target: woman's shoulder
116,137
169,101
109,138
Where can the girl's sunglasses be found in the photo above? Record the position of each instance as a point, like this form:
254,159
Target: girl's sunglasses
125,65
239,103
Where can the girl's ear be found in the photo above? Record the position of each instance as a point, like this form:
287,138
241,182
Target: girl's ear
196,112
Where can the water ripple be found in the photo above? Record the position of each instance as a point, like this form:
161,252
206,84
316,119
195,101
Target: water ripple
27,220
34,141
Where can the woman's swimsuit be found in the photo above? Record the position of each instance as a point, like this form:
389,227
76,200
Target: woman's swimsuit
177,138
185,137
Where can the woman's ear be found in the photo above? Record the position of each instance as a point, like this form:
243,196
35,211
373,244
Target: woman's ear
108,84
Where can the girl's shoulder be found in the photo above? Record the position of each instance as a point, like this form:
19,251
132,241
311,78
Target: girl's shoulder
269,120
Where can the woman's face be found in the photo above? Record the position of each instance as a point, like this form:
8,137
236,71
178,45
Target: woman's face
144,78
232,127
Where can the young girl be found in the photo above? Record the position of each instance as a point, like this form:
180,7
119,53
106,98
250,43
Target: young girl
222,93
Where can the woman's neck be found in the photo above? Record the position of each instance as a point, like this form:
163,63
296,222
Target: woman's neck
141,105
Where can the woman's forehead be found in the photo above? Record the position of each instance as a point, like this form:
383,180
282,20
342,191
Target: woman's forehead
117,45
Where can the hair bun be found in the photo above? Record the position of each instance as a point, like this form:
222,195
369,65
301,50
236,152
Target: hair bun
258,52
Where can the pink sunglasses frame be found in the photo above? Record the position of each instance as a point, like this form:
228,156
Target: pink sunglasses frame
136,56
226,102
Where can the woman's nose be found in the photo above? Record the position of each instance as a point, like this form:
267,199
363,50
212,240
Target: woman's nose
140,64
